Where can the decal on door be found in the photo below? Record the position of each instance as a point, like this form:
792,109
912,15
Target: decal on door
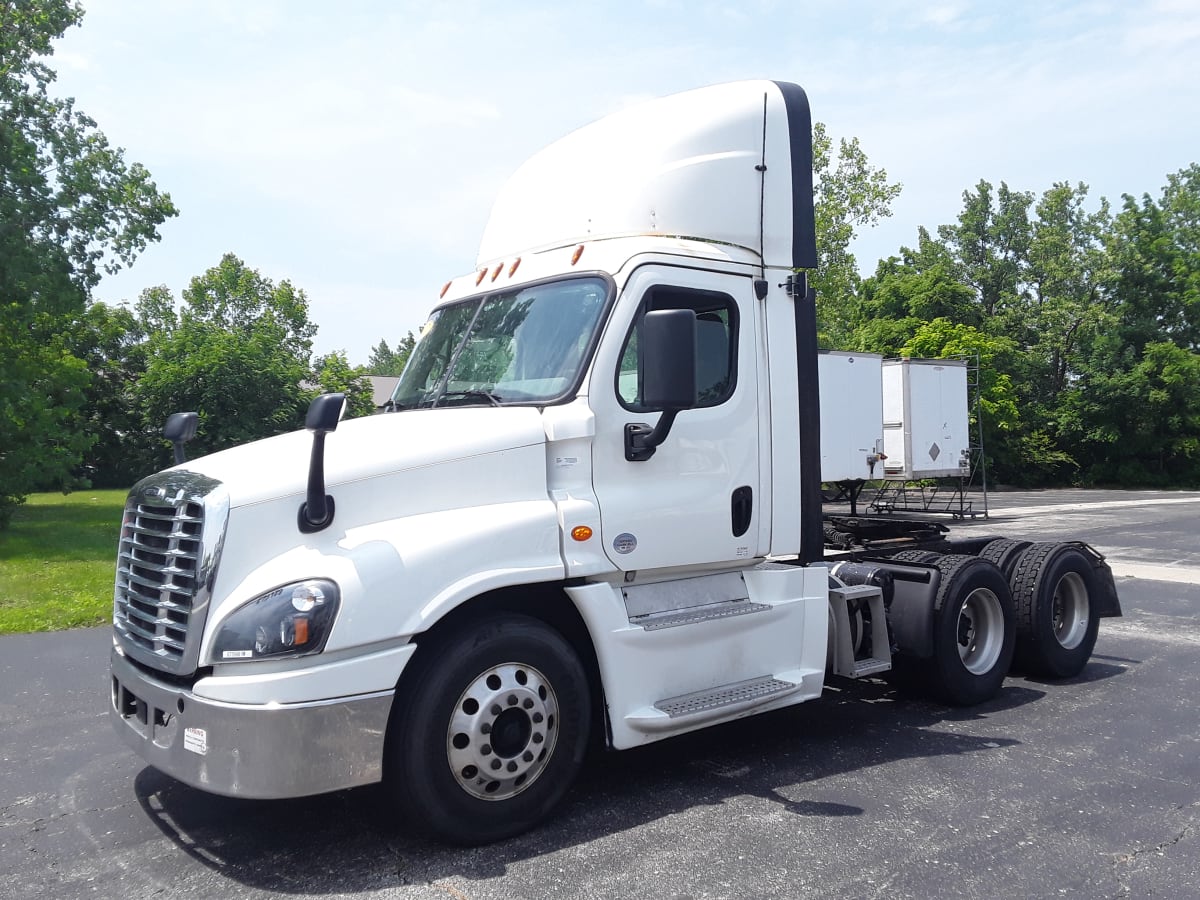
624,543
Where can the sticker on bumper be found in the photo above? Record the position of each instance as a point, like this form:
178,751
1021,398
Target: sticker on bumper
195,740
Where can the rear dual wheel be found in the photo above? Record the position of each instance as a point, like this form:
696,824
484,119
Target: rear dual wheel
1005,553
973,631
1053,588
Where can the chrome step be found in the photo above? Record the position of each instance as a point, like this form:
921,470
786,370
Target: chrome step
696,614
748,692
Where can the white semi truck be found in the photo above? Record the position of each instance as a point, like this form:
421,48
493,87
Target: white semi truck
592,515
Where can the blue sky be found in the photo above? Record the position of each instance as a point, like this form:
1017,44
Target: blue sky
355,148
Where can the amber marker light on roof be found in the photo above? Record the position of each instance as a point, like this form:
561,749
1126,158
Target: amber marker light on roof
581,533
445,287
479,277
578,253
496,271
513,268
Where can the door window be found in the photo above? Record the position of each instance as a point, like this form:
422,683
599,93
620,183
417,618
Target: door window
716,345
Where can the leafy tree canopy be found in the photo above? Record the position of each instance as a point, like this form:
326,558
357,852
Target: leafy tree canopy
236,353
334,373
70,209
386,361
848,193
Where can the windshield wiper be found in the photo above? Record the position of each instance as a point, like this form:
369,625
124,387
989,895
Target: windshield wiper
491,398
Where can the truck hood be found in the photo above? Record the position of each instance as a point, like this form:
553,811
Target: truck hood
369,447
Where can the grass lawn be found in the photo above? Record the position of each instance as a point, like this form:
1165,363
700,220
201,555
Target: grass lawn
57,561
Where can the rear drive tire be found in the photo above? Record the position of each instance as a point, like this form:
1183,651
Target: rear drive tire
1053,586
973,630
1005,553
489,730
921,557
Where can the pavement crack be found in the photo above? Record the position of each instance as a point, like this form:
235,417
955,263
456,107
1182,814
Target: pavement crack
1123,862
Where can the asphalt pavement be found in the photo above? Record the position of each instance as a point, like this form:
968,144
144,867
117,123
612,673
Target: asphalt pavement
1085,788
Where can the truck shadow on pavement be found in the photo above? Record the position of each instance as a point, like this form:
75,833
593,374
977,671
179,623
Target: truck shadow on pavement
351,841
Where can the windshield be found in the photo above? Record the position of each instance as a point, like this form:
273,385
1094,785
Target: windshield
524,346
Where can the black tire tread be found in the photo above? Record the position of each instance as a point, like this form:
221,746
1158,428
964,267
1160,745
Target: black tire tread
949,564
922,557
1005,553
1024,583
425,675
953,567
1031,656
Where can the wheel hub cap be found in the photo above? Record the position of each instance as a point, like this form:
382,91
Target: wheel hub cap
980,631
502,731
1070,612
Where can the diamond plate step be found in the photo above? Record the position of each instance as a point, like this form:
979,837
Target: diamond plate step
870,667
700,614
747,692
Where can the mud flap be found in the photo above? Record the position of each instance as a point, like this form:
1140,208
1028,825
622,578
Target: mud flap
1108,604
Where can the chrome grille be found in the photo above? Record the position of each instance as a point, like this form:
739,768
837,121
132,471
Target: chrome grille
164,566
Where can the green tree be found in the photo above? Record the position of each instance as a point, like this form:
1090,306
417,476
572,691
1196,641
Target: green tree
906,292
112,342
1038,281
1140,425
70,209
236,353
849,193
1068,271
990,244
333,373
386,361
1134,409
1155,247
1003,439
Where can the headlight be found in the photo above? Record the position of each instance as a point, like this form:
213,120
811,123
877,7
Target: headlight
293,620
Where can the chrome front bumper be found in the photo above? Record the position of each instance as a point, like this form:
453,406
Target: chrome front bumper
264,751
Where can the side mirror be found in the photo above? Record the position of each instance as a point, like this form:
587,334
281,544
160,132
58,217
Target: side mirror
324,413
669,359
180,428
668,351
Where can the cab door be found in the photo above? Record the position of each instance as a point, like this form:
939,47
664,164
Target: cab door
697,500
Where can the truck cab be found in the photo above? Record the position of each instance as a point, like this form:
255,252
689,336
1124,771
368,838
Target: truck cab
592,514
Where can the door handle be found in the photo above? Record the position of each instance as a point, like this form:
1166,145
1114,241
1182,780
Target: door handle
741,510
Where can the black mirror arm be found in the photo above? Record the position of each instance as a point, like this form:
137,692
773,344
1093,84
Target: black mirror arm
316,512
642,440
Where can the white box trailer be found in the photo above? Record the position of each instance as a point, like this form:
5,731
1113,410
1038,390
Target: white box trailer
926,428
851,391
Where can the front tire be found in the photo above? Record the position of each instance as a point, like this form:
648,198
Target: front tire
489,730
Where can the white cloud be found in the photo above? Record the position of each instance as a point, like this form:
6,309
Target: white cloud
943,15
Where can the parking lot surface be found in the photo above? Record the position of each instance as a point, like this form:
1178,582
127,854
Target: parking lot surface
1089,787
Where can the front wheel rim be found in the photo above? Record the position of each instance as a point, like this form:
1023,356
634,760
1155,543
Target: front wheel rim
980,633
502,731
1069,614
